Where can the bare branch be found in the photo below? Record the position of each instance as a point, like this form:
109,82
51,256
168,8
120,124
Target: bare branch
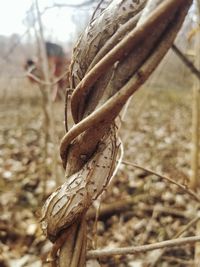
58,5
186,61
141,249
186,227
43,82
182,187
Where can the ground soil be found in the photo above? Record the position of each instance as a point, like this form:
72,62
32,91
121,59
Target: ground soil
156,133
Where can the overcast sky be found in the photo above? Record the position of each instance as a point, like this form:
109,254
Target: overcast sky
58,22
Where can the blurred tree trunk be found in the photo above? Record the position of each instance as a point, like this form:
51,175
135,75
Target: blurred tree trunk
196,114
195,182
49,124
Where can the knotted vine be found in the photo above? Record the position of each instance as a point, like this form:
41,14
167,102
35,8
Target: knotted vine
115,55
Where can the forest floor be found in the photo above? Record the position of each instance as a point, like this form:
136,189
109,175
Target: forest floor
142,208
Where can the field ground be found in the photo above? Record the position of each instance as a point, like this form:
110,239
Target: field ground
156,133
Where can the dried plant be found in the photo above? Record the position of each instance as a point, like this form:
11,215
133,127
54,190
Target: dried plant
115,55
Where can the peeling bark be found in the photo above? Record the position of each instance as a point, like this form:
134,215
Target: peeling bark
113,58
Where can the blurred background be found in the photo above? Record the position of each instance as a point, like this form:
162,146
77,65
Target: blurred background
157,133
63,21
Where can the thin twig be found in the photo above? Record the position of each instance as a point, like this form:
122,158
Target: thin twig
186,61
57,5
97,7
160,253
141,249
187,226
43,82
66,110
182,187
149,225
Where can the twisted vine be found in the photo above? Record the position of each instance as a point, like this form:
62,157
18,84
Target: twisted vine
113,58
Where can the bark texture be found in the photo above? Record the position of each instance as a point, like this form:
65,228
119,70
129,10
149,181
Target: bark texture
113,58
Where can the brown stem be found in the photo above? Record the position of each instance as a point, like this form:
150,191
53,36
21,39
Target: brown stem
182,187
123,48
66,250
141,249
109,110
186,61
79,244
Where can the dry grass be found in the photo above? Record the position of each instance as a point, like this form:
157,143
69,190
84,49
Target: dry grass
156,134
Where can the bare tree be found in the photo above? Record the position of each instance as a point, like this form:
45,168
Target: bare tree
46,89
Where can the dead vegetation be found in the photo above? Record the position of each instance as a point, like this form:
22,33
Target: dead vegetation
143,205
139,208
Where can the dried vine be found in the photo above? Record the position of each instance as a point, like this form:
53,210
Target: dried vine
113,58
